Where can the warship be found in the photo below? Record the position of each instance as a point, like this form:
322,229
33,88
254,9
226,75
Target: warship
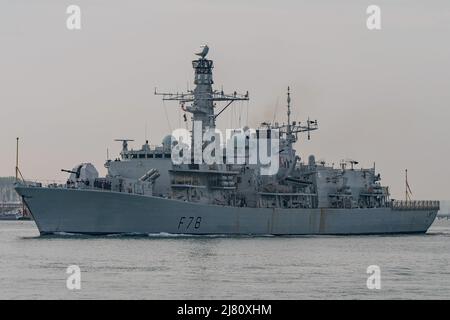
146,191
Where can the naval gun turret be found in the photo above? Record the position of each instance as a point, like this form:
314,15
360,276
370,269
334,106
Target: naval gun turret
81,175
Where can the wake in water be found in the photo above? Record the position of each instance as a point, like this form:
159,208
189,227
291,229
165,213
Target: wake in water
161,235
439,228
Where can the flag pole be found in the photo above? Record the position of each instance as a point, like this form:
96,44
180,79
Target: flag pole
406,184
17,159
408,192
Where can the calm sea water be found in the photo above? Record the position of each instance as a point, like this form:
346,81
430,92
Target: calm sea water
170,267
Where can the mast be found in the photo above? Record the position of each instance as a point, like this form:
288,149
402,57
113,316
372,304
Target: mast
202,99
291,129
17,159
408,192
288,111
406,184
18,173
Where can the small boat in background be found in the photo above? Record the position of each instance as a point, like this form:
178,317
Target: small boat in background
17,214
11,215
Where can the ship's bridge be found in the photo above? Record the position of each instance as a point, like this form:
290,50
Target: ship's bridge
153,152
147,151
133,164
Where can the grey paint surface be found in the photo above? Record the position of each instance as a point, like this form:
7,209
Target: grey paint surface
99,212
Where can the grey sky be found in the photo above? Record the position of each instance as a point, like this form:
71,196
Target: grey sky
379,96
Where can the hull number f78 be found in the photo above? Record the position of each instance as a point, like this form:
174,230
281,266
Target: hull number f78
189,223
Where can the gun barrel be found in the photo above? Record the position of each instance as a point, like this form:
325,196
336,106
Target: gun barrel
68,171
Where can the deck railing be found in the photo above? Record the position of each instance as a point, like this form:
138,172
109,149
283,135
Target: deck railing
415,205
133,188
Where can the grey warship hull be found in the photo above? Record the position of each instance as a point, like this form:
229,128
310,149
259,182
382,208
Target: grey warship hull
58,210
